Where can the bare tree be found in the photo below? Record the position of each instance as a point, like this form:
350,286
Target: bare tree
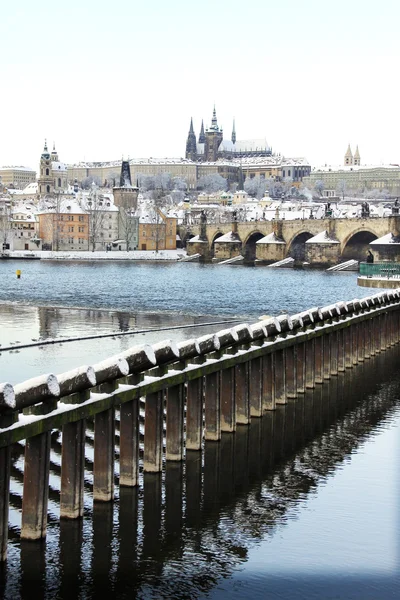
256,186
319,186
96,210
87,182
158,221
128,227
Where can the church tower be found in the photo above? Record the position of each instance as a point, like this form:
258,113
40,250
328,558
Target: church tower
233,138
46,180
357,159
191,146
202,137
348,157
214,137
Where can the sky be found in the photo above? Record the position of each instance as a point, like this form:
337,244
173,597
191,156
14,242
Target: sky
106,80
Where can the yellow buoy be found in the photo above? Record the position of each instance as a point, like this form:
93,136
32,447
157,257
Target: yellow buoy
18,274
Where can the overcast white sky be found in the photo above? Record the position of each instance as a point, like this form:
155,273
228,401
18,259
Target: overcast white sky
106,79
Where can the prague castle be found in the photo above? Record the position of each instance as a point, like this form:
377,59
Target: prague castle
211,145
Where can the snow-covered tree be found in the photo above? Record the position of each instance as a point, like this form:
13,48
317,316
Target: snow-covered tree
88,181
341,188
179,184
212,183
319,186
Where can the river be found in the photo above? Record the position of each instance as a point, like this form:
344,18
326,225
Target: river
276,510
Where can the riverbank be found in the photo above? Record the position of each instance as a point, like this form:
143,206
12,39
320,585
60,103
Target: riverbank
165,255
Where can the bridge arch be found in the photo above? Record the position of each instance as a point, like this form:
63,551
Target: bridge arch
188,236
297,246
217,235
249,246
355,246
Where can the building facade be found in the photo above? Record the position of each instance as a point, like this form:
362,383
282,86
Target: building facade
17,177
357,178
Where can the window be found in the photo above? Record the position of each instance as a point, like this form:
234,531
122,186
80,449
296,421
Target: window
81,229
71,228
70,217
59,182
71,240
47,172
80,218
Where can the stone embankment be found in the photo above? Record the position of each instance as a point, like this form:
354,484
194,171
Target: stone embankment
170,255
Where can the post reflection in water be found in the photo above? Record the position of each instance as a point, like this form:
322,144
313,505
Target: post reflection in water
182,531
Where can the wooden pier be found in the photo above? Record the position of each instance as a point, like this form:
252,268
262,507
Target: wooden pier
174,396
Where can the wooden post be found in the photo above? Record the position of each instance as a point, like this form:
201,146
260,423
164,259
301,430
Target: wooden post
319,359
4,499
268,382
242,394
301,368
310,363
334,352
340,345
280,377
354,338
228,406
348,347
36,487
129,443
361,341
212,407
174,419
194,414
326,342
72,469
104,454
290,372
153,432
255,379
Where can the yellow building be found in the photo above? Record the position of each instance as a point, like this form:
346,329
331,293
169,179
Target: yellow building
64,227
157,231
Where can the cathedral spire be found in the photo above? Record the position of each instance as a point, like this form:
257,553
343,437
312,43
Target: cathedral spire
233,138
191,130
202,137
191,146
214,124
45,146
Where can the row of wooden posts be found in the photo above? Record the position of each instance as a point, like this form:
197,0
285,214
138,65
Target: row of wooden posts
189,392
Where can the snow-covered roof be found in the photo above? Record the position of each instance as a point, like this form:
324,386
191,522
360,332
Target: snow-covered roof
322,238
271,238
19,168
259,145
58,166
349,168
31,188
389,238
229,238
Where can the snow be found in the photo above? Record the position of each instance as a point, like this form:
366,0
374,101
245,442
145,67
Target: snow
389,238
229,237
98,255
322,238
270,239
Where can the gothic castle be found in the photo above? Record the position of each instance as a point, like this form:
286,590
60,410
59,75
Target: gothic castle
211,145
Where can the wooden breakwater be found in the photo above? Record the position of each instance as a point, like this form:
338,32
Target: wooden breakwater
180,394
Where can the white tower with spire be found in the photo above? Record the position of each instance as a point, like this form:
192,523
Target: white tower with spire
348,157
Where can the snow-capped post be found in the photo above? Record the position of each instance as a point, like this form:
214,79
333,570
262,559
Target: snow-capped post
129,443
227,338
208,343
7,397
139,358
42,389
76,380
165,352
188,349
110,369
194,413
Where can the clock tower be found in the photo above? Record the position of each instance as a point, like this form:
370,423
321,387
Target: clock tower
46,180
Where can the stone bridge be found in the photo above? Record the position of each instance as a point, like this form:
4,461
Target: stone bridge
316,241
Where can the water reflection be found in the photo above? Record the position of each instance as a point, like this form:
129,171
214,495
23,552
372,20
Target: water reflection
184,531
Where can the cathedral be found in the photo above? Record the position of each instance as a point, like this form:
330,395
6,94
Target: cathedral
211,145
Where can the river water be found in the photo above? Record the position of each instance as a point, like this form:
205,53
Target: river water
301,504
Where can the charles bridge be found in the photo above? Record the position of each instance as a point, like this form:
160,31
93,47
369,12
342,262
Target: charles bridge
320,242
